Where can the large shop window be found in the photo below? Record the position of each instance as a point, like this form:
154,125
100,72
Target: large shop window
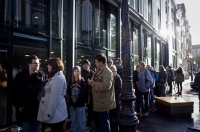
149,50
28,14
84,22
112,36
100,29
157,60
135,47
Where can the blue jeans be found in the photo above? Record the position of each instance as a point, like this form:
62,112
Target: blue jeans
139,103
78,119
151,97
30,126
101,120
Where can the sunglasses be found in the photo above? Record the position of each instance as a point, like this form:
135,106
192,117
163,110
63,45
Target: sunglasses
116,62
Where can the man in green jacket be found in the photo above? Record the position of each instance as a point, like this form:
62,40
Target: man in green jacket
103,93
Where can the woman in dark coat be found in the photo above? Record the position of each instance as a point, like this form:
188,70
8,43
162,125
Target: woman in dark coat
162,81
179,79
114,112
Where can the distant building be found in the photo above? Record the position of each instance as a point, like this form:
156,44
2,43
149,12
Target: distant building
195,50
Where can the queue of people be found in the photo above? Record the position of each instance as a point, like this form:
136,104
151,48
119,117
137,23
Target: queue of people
92,96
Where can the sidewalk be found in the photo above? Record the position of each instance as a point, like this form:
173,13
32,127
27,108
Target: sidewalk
158,121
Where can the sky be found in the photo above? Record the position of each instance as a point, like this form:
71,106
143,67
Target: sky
192,14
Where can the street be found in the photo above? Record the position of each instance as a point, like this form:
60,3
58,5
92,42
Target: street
157,121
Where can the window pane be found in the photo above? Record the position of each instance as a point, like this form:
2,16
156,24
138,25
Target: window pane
100,30
84,22
113,30
149,50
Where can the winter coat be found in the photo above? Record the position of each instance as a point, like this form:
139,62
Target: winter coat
103,90
197,80
162,77
145,80
170,75
179,77
119,71
24,94
85,74
77,94
135,79
53,107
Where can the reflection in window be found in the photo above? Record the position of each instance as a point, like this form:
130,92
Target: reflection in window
112,44
157,56
87,16
149,50
100,31
84,21
135,47
38,19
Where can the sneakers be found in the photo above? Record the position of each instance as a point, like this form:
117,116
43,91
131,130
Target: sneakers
146,114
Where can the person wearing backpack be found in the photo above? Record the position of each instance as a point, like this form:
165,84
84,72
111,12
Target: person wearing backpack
144,83
151,92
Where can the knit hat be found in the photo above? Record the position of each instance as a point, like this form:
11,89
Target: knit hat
86,61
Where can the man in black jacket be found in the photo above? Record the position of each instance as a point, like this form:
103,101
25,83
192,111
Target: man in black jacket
24,95
87,73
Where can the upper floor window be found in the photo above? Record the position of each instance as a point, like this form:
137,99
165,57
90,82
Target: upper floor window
38,19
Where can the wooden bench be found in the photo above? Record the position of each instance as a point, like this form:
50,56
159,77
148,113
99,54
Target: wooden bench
174,105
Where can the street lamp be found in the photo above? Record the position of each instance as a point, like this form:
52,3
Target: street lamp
127,118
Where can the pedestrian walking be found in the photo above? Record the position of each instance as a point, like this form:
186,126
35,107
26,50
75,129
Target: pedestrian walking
103,93
77,101
179,80
24,94
113,114
144,83
53,109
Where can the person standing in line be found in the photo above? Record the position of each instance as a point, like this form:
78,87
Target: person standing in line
77,101
87,73
53,109
179,80
24,94
110,62
151,92
170,78
144,83
135,82
113,114
103,93
118,64
162,81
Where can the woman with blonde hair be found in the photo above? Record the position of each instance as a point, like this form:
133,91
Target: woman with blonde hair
179,79
77,100
53,109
